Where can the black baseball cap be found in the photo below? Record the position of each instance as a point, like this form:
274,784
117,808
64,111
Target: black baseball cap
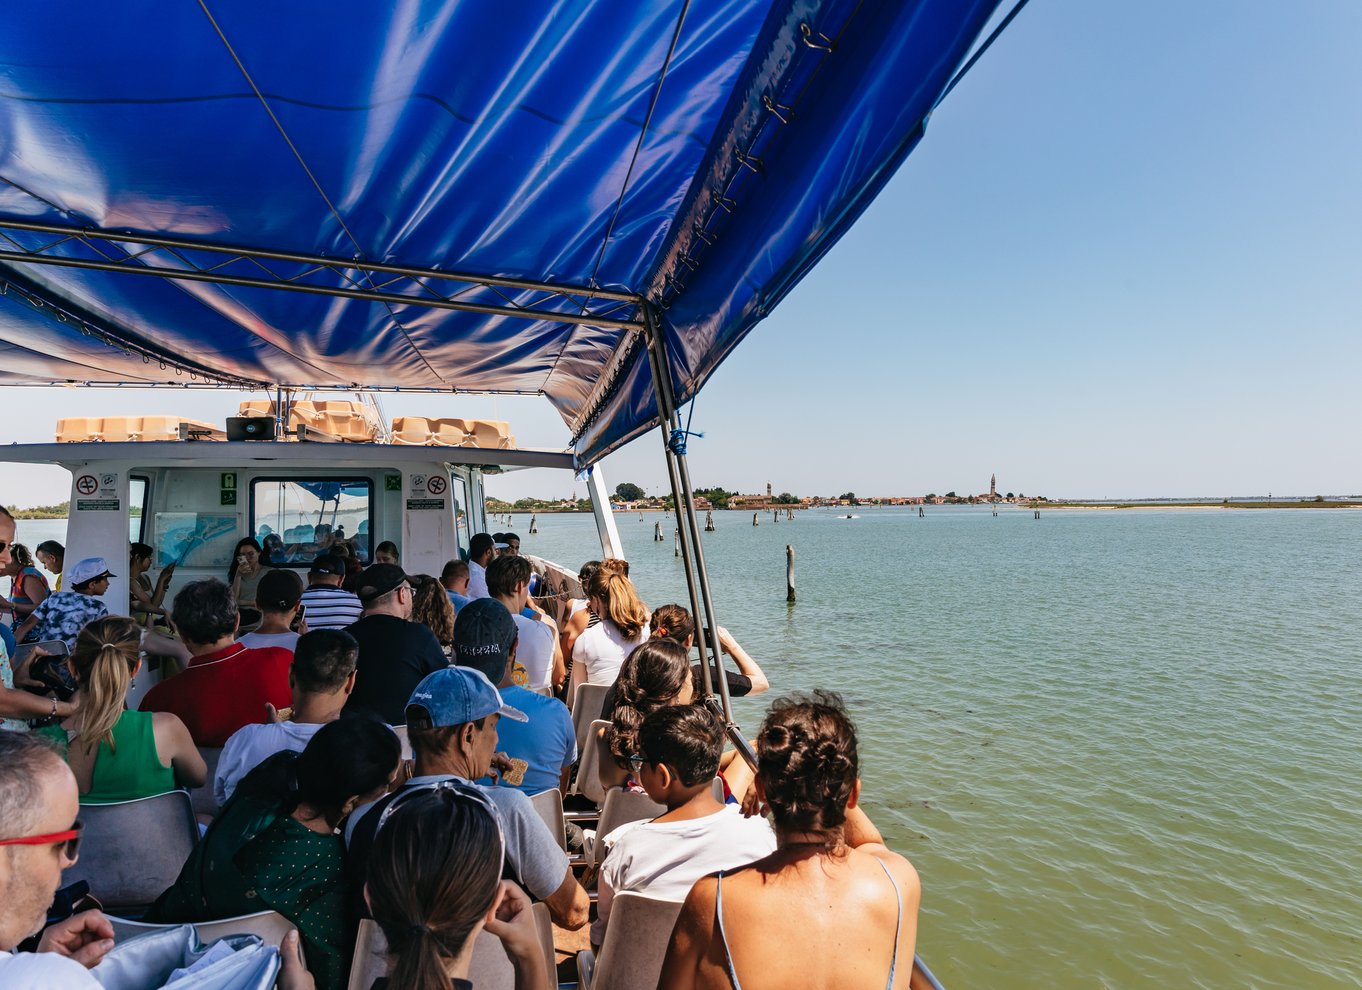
379,579
328,563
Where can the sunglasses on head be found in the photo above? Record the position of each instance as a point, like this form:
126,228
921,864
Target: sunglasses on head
458,794
69,840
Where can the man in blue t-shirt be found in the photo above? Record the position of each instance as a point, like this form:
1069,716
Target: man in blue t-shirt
454,578
485,639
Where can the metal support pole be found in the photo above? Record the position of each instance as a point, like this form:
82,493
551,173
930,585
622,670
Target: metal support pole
690,531
675,478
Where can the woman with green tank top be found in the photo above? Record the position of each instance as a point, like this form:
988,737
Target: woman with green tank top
116,754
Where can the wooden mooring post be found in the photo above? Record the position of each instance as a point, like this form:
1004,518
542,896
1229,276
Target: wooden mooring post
709,522
789,573
676,547
657,532
754,520
534,523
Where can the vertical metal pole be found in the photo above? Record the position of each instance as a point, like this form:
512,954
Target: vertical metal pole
666,404
664,422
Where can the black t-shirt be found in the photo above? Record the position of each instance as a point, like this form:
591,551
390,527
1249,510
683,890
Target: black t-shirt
394,655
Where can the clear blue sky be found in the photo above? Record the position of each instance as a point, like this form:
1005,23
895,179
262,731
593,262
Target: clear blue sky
1126,261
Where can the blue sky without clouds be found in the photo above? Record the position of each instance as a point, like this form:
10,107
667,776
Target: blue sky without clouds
1125,261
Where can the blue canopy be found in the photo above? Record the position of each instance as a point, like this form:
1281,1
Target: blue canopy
588,154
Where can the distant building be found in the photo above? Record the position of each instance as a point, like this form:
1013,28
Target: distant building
993,489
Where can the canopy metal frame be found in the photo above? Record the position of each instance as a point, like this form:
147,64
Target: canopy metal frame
715,684
430,288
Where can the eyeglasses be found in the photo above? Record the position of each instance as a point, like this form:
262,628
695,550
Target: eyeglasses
636,763
68,840
5,546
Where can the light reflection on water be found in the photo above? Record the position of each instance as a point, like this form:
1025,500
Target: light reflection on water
1121,747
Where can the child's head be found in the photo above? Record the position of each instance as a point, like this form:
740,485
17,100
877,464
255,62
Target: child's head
679,750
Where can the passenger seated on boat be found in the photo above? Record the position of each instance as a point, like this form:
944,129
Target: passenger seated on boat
482,550
431,607
39,832
16,705
677,757
486,639
394,652
52,555
386,553
63,614
272,549
274,845
278,596
452,725
321,678
327,604
579,617
116,754
245,572
674,622
434,882
226,685
28,587
146,598
656,675
508,581
454,578
852,902
598,652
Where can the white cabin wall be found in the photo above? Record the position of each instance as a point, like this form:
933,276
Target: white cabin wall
97,525
428,535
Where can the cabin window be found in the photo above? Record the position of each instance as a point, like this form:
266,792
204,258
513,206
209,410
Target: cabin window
137,508
298,519
461,510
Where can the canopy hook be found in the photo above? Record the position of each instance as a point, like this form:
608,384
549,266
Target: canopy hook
751,161
816,40
780,111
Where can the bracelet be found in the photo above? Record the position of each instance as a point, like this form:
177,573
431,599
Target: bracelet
54,708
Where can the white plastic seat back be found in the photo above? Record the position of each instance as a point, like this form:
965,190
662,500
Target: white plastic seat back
549,806
587,702
635,944
271,926
404,739
589,766
621,807
203,799
130,852
489,969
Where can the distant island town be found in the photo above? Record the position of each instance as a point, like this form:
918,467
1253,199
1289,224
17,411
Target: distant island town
629,497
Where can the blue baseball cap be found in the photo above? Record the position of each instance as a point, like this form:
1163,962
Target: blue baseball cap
455,696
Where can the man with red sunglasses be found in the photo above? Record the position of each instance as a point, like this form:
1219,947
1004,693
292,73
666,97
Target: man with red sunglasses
39,837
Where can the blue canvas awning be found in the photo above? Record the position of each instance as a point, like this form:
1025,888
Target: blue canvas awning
701,156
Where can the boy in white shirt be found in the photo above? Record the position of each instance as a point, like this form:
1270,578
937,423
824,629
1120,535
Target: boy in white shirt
679,755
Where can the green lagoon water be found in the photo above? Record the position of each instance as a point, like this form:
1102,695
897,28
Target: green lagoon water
1122,748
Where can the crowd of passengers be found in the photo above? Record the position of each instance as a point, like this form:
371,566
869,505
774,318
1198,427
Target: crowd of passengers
321,819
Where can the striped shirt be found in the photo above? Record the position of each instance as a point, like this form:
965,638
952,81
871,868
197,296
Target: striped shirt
329,607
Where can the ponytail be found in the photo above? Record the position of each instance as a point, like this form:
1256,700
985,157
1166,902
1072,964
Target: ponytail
434,872
105,654
612,586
